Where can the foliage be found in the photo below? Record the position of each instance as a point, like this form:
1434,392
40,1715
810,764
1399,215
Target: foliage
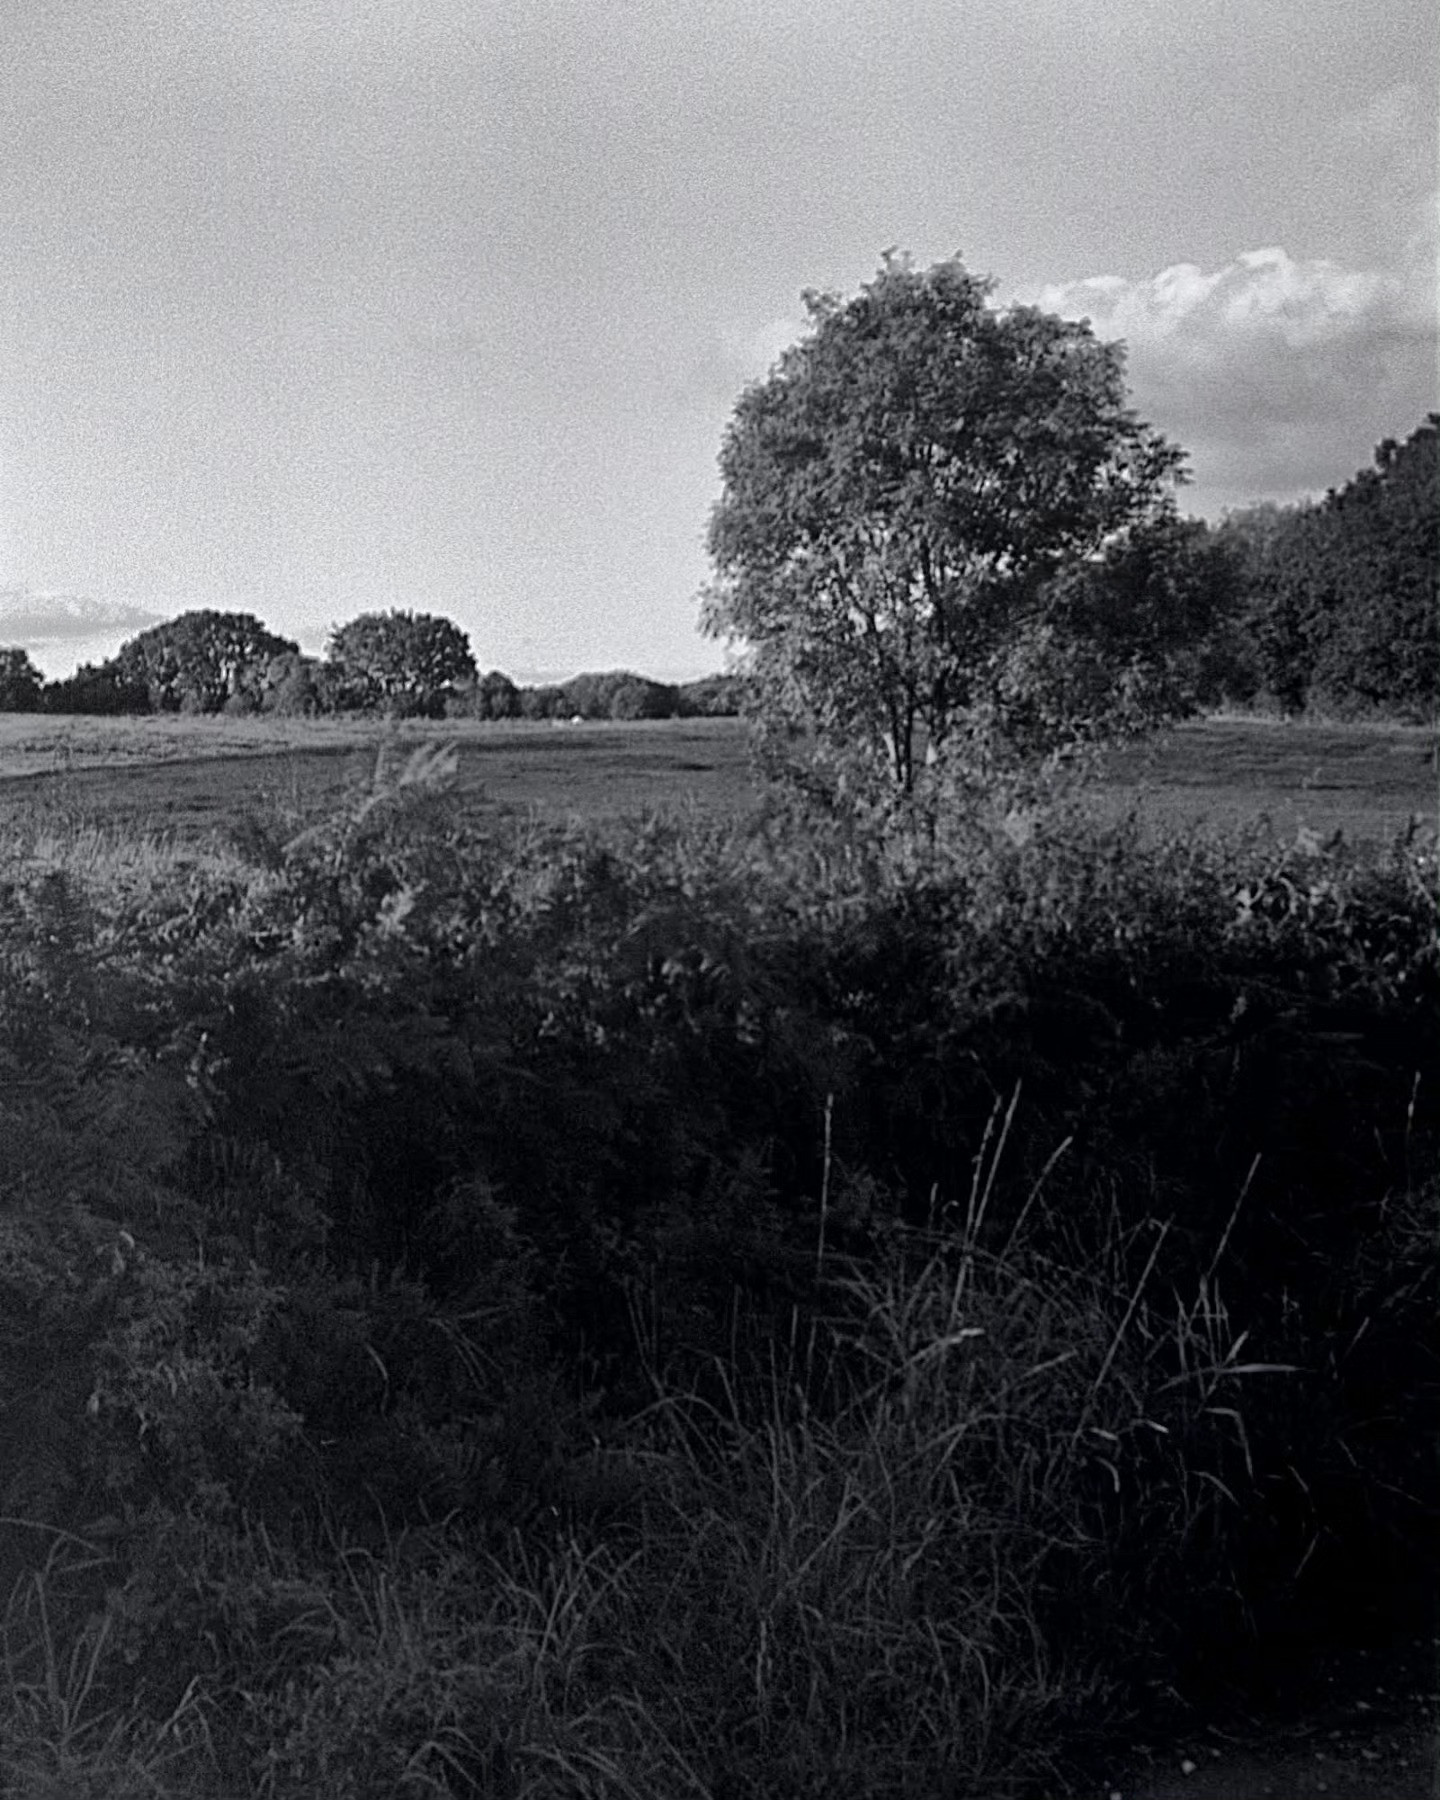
1382,542
400,663
298,687
617,695
20,682
638,698
493,696
1343,592
712,696
899,495
1270,652
201,662
106,689
547,702
1146,630
697,1308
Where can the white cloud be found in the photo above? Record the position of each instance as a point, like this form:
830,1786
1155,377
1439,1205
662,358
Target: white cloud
60,631
1278,374
43,616
1262,295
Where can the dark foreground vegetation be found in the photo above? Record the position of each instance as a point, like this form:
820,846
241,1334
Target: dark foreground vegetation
732,1309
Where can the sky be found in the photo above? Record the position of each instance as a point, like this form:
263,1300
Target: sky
316,307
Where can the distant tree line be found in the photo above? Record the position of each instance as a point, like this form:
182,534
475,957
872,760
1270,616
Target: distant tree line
392,664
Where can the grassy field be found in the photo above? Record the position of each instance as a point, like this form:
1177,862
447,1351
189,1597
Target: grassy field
1368,781
194,776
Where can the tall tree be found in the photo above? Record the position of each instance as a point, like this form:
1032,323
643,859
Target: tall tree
1379,549
21,683
402,663
898,497
1273,629
201,661
1344,593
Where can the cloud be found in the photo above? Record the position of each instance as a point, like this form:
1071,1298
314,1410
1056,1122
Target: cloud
1277,374
60,631
35,617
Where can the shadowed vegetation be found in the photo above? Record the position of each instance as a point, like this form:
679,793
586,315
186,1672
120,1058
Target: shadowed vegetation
714,1307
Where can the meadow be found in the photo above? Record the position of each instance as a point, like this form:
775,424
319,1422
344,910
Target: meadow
500,1296
190,776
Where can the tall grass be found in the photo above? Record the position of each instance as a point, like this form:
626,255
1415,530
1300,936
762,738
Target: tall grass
925,1583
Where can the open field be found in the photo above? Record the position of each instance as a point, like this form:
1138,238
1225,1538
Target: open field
1366,780
193,776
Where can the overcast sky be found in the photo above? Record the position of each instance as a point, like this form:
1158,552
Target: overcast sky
310,307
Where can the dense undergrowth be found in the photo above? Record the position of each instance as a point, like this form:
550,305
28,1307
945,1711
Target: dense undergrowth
684,1309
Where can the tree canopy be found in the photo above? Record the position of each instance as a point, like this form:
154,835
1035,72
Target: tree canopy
617,694
899,495
401,662
21,683
1374,557
493,696
200,662
1149,628
1343,594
